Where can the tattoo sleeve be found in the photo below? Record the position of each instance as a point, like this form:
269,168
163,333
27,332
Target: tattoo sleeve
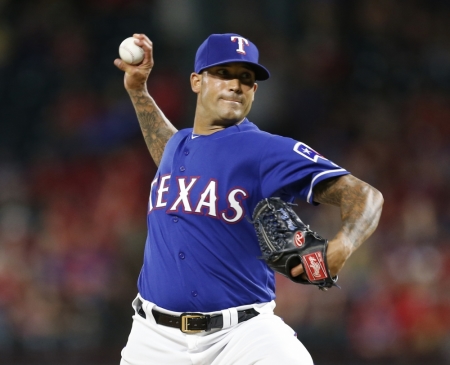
156,128
359,202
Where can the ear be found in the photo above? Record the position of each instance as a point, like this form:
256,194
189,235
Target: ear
196,82
255,87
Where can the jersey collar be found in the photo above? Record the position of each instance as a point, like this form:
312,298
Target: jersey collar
244,126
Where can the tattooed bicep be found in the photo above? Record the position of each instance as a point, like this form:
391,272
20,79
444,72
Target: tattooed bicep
332,191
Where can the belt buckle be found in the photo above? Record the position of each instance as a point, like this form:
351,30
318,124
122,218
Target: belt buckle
184,317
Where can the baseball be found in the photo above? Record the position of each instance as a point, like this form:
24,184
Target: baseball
130,52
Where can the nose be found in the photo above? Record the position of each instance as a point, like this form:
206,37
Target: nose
234,85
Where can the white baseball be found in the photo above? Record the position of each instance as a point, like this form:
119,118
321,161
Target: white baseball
130,52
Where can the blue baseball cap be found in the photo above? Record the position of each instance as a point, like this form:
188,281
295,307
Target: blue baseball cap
218,49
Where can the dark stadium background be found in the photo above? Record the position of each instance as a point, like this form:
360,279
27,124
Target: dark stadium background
364,82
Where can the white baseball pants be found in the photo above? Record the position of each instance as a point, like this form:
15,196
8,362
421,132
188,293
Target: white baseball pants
262,340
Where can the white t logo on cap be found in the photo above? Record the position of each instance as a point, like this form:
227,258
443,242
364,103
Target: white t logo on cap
241,42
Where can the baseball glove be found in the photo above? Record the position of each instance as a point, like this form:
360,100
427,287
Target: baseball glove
285,242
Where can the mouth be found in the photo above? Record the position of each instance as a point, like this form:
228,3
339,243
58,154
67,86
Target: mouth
230,100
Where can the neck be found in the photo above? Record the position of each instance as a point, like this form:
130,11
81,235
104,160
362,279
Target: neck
206,127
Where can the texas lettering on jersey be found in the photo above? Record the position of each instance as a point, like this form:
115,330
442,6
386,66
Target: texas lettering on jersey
205,203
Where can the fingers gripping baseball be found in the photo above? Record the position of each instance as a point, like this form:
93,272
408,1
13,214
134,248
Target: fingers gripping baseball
136,76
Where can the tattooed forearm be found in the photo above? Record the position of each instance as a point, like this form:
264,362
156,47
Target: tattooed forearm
359,202
156,128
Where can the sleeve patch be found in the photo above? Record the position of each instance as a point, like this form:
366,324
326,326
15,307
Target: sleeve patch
307,152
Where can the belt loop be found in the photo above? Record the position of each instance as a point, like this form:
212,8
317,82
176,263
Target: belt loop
226,315
233,316
145,307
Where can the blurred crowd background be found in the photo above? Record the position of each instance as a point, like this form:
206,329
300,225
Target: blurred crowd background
364,82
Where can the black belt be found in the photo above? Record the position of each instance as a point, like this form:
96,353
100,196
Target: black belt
196,322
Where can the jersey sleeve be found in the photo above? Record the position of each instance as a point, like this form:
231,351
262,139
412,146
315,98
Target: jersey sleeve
291,169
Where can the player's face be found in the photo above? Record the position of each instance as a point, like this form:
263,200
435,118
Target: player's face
225,92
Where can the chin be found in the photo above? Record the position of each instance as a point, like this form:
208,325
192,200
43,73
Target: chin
232,117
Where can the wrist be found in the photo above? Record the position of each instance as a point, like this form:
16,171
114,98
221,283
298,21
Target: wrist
339,250
140,89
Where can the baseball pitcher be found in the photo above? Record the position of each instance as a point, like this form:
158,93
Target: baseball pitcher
220,221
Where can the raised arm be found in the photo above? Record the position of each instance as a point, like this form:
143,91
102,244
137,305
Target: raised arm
360,206
156,128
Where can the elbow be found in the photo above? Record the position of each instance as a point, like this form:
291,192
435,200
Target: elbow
376,201
379,199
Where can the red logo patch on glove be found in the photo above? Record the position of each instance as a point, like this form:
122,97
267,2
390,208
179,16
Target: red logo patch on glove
314,266
299,239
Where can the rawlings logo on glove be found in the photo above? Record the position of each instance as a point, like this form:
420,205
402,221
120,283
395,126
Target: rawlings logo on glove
286,242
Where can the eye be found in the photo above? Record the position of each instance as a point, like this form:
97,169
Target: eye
247,78
222,71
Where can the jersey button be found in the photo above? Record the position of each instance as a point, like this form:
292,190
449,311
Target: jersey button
182,168
181,255
175,219
186,152
194,293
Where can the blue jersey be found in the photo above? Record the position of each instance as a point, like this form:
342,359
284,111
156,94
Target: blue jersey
201,254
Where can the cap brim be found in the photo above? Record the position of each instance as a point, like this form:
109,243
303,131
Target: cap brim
261,73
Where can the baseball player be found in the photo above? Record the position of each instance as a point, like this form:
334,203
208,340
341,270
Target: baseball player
204,296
